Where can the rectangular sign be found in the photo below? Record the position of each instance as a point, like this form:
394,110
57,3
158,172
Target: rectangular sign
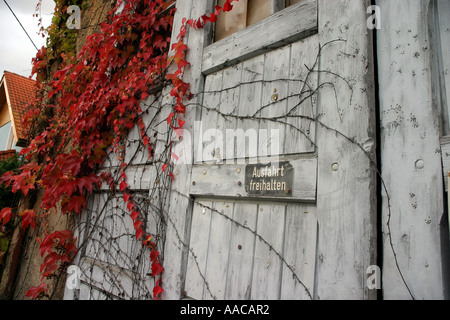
274,179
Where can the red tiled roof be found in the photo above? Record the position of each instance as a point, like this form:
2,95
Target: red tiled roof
21,91
7,154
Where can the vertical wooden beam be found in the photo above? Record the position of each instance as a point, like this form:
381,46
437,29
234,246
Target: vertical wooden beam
346,195
180,210
410,153
277,5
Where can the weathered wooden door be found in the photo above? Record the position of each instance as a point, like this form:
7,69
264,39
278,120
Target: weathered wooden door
281,189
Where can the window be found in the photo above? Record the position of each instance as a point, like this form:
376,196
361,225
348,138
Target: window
246,13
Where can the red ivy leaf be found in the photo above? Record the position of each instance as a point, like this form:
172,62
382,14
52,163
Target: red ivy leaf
227,6
134,215
5,215
28,218
130,206
139,233
7,178
35,292
157,290
123,185
157,268
154,255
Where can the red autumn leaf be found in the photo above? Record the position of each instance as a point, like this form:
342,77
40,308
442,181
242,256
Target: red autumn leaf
154,255
35,292
157,290
137,224
75,204
147,241
157,268
227,6
134,215
57,237
5,215
139,233
123,185
130,206
50,264
28,218
126,197
169,119
7,178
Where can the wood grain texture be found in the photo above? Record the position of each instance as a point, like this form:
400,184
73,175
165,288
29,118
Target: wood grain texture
412,171
346,205
299,21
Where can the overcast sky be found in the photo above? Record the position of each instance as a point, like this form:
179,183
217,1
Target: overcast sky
16,50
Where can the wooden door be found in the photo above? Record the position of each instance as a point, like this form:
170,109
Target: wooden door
280,193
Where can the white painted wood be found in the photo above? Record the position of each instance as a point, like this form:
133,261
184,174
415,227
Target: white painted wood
218,251
228,181
277,5
442,52
346,207
274,103
242,244
180,209
301,107
207,140
250,102
410,139
267,264
299,21
445,151
229,104
197,261
300,245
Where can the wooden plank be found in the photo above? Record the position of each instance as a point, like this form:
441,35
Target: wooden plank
274,104
227,181
442,33
206,141
239,277
346,194
412,169
228,105
250,102
198,249
267,264
299,21
218,250
300,132
179,212
445,152
300,246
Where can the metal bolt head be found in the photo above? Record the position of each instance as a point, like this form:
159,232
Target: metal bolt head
335,167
